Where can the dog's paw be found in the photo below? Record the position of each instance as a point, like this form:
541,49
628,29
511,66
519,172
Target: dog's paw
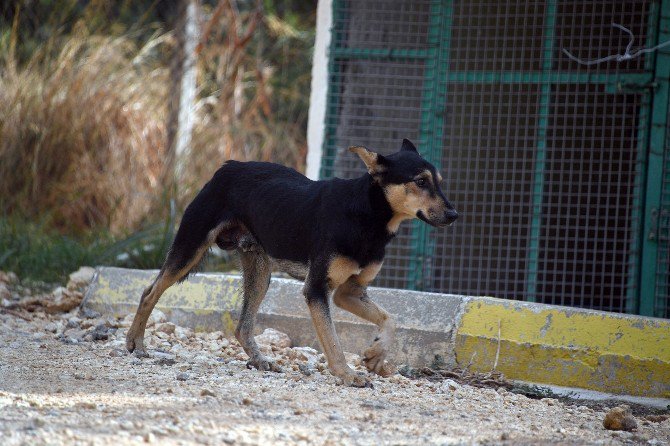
374,356
264,365
136,345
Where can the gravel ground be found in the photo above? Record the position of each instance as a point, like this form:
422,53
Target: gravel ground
66,379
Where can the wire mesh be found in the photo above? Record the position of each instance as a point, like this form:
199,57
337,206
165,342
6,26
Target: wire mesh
488,169
376,101
541,156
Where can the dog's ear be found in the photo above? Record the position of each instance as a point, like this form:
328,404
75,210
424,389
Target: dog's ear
375,162
408,146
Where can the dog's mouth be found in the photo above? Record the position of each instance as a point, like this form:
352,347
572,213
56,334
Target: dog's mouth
448,220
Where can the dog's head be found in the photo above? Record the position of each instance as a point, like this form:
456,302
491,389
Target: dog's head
410,183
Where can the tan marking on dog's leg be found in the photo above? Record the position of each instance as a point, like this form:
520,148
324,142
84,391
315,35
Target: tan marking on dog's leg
325,331
340,269
352,297
256,275
151,295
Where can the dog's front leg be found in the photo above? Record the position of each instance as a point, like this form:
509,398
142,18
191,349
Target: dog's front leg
316,293
352,296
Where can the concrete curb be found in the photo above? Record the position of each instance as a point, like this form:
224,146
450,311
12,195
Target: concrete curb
561,346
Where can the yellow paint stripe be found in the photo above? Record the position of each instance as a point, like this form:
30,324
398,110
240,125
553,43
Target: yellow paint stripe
567,346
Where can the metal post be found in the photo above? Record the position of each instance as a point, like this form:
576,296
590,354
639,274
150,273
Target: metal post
540,155
654,177
432,125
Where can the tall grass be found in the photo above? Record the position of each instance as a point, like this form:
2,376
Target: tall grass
81,133
84,92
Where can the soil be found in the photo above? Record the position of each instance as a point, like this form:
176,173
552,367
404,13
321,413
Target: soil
67,379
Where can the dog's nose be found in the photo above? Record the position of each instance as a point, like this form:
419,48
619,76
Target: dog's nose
450,216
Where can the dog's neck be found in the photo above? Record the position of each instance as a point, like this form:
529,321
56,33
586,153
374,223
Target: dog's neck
380,207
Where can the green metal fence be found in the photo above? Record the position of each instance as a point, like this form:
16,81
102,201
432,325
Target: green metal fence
561,172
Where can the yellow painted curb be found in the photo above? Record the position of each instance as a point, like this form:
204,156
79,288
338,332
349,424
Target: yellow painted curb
568,347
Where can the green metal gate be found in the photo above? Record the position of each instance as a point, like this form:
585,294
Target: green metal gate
560,171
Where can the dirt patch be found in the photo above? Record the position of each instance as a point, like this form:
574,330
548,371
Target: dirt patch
67,379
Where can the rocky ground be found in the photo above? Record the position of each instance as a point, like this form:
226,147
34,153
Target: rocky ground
65,378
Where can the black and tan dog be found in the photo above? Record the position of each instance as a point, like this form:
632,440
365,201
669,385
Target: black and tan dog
332,234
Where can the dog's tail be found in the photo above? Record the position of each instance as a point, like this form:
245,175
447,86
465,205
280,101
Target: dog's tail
202,222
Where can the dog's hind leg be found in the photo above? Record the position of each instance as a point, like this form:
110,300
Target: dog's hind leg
256,273
186,252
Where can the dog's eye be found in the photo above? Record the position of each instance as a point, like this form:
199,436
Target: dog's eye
421,182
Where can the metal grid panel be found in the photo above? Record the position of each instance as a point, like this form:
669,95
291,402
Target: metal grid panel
497,36
378,105
382,24
588,201
542,156
490,138
375,98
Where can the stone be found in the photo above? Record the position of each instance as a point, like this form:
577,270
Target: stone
117,353
214,336
87,313
156,317
620,419
4,292
101,332
352,359
73,322
183,376
303,354
60,300
127,321
207,392
166,327
273,338
8,277
450,385
183,334
81,278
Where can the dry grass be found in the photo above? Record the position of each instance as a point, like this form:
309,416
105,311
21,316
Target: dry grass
82,132
84,115
252,106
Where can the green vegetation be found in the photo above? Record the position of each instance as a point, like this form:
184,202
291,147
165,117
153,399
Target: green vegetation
37,253
84,119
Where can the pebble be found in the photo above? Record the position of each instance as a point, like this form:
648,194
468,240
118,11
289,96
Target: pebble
73,322
450,385
619,419
273,338
117,352
166,327
87,313
207,392
183,376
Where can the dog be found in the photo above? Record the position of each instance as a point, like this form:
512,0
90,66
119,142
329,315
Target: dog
331,234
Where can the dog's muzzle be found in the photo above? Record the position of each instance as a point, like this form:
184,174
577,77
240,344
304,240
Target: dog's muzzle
450,216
